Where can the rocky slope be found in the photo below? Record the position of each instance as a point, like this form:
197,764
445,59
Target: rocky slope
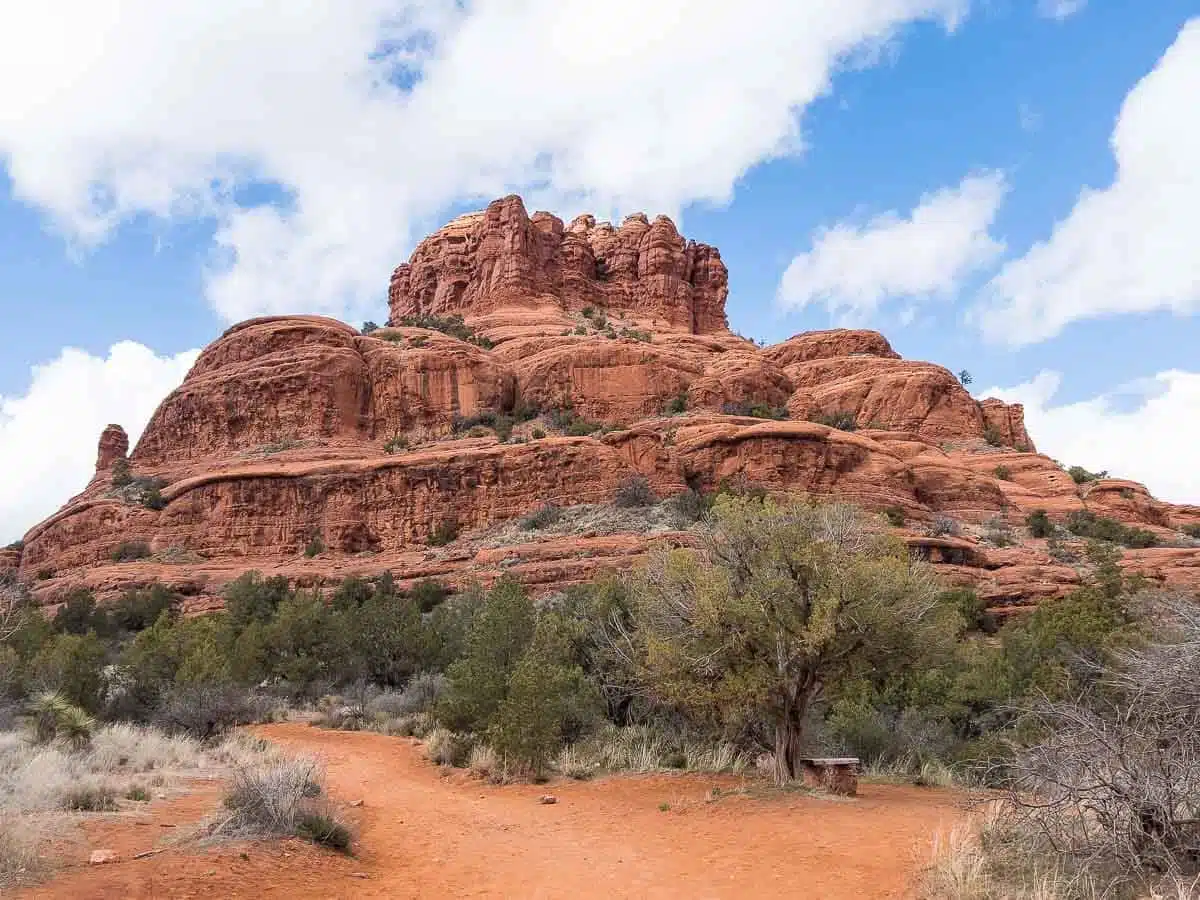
298,445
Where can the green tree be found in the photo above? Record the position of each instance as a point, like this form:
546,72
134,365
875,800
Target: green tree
252,598
478,683
787,600
548,698
72,665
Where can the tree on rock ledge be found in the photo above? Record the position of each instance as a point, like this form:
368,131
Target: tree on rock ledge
784,601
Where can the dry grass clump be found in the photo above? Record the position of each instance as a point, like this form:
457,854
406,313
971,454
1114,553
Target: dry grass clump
641,748
279,798
19,860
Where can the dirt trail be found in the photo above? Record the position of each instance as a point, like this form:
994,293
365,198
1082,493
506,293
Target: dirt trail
423,833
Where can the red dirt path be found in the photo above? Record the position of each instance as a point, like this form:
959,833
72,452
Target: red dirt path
422,833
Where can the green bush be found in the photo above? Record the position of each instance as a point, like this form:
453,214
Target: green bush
677,404
1039,524
1004,473
1087,524
128,551
895,516
634,491
691,505
1192,531
537,434
324,829
396,444
368,327
445,532
315,545
1080,475
582,427
477,683
72,665
543,517
992,435
451,325
843,421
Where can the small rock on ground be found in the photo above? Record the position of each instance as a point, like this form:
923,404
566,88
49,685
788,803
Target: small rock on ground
100,857
548,798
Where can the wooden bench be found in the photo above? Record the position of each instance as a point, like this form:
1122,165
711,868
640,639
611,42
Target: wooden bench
837,775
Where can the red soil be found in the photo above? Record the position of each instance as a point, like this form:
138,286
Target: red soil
424,833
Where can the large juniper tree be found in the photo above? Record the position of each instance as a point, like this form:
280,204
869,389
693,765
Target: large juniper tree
782,600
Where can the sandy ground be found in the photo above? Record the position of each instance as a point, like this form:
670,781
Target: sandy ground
423,832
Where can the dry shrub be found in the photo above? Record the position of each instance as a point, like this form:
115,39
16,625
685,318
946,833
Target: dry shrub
446,748
279,798
19,860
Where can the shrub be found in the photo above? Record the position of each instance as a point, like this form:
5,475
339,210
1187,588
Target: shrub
992,435
17,545
1192,531
941,526
582,427
636,335
204,711
445,532
451,325
1087,524
964,377
1080,475
322,828
998,531
55,718
543,517
127,551
138,609
1004,473
690,505
369,326
1039,524
445,748
121,473
282,797
90,798
677,404
315,546
634,491
428,594
71,665
843,421
537,434
895,516
588,312
504,428
396,444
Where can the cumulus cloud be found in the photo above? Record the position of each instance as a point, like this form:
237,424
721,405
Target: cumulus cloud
1060,9
368,119
48,436
1147,431
852,270
1129,248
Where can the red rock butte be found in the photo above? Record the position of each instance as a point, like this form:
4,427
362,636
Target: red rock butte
301,433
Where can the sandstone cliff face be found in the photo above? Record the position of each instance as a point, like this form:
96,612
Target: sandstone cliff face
502,257
291,428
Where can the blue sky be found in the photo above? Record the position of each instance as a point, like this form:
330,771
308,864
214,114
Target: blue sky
156,198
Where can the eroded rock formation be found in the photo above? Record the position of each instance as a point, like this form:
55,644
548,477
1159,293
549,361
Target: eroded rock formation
291,428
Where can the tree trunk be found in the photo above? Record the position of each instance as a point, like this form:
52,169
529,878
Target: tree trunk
788,733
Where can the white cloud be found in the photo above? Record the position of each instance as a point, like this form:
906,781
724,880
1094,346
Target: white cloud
1060,9
852,270
143,107
1146,431
1129,248
48,436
